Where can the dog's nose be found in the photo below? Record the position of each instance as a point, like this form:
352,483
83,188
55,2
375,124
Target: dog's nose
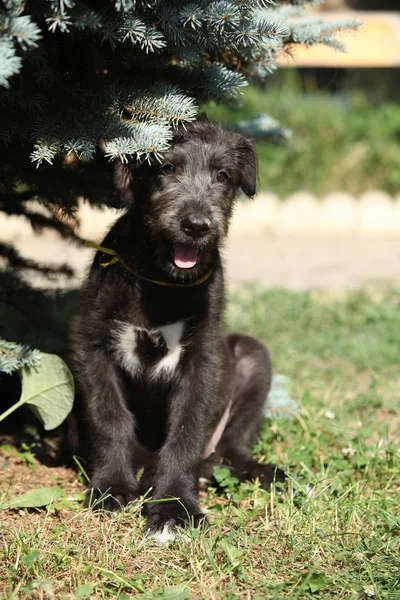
195,226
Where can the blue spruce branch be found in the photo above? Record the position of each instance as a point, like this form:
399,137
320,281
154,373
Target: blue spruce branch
14,357
209,45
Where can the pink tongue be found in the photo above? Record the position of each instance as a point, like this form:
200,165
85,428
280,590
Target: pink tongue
185,256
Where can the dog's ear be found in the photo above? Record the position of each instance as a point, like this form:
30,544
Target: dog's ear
247,166
122,196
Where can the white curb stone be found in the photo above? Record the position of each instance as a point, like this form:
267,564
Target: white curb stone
396,214
338,214
301,212
377,214
374,214
255,216
13,227
95,222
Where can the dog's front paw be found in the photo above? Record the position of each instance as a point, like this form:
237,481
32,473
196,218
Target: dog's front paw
112,497
167,520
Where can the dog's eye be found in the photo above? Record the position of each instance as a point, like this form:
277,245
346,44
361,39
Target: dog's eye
222,177
168,169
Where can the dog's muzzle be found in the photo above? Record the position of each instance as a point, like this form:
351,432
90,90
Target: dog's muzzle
195,226
197,230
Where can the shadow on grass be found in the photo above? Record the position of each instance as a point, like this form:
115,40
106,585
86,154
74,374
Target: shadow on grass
39,318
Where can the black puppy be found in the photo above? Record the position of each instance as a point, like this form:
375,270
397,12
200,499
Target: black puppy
160,386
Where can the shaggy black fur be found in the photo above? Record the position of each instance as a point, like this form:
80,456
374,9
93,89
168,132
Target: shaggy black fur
155,374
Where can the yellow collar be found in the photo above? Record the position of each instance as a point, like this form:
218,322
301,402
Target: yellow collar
118,258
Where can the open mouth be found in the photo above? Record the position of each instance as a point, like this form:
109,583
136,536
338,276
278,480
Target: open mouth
185,256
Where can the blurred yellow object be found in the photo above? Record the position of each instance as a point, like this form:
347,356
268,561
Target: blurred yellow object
376,44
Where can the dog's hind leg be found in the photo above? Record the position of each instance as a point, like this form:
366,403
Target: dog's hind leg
251,370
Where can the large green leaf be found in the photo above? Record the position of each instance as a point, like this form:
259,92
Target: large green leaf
176,592
35,498
84,591
233,554
48,390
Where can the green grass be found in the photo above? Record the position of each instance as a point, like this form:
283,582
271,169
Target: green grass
338,143
333,533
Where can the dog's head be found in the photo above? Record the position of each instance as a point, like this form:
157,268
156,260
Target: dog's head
187,199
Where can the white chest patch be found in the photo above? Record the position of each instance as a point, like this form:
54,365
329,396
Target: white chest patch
172,335
125,343
127,339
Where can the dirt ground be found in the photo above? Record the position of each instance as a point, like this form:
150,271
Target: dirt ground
295,262
300,262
